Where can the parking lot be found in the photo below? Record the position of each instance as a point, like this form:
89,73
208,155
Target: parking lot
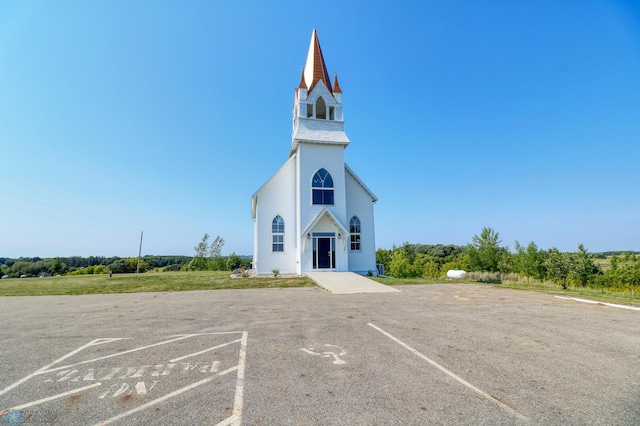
430,354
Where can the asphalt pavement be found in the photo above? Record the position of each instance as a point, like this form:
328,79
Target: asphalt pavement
436,354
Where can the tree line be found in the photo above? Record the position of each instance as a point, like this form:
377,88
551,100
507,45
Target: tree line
76,265
207,257
486,254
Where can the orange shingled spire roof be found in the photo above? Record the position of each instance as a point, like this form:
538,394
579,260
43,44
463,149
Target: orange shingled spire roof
302,84
315,68
336,86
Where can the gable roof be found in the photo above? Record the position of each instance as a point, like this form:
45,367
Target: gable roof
361,183
321,214
254,197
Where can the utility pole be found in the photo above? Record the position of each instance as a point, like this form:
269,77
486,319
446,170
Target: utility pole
139,252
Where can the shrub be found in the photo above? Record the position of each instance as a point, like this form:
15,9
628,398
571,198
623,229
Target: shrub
485,277
171,268
128,266
234,262
401,265
90,270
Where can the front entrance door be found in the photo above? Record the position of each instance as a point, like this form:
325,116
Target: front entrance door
324,253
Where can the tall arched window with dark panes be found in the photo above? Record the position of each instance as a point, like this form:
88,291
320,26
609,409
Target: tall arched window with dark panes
354,230
322,187
321,109
277,232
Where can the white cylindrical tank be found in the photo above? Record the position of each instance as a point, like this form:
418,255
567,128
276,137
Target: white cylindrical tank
456,273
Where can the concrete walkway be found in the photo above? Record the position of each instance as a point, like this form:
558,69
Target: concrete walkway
348,283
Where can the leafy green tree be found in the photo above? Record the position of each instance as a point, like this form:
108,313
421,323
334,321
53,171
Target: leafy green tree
429,265
233,261
94,269
401,265
383,256
199,261
216,263
58,268
614,262
208,256
30,267
624,273
558,266
201,248
127,266
151,262
630,272
457,261
485,252
529,261
215,251
584,268
506,262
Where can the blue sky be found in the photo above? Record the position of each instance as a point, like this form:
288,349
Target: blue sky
122,116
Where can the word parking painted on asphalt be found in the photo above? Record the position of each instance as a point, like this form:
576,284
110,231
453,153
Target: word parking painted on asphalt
110,379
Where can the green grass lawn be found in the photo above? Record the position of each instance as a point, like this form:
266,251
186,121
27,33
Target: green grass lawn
603,295
219,280
147,282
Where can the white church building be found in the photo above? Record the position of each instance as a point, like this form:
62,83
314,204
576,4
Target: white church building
314,213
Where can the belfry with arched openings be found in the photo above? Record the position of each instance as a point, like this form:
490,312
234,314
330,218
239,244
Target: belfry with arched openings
314,213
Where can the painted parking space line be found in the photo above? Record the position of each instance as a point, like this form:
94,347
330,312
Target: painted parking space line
52,397
451,374
205,351
114,378
236,418
165,397
57,361
597,302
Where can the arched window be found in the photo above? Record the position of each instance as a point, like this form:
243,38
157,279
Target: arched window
322,187
277,232
354,230
321,109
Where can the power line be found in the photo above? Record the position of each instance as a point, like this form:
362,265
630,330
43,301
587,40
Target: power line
65,219
157,242
64,210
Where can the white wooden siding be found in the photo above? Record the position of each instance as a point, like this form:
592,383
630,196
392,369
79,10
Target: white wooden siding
360,204
277,197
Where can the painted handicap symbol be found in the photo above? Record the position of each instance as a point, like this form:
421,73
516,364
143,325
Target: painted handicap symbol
336,354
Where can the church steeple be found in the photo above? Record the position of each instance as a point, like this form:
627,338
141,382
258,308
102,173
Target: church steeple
315,68
314,214
317,107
